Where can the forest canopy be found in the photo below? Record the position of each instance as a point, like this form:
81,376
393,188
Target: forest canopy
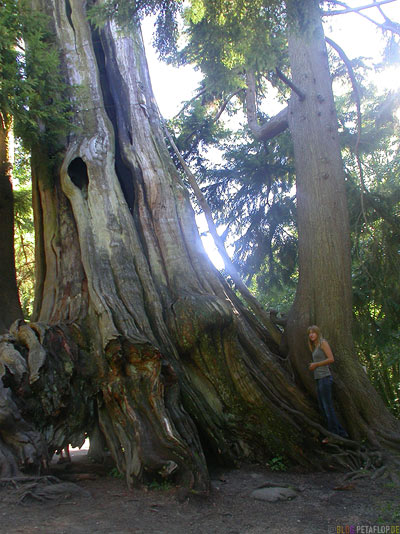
251,192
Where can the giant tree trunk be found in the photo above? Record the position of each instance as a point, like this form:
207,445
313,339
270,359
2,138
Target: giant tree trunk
324,290
174,366
135,330
10,308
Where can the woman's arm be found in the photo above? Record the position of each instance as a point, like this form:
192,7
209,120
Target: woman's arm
329,357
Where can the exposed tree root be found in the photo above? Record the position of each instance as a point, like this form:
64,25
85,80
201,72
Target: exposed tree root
42,398
62,403
364,463
21,490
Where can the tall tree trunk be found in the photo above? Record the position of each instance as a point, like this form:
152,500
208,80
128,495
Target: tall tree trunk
324,293
10,308
19,441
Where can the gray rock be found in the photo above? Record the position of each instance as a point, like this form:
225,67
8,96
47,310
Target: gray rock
274,494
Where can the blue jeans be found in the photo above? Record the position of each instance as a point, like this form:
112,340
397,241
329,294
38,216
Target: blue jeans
324,391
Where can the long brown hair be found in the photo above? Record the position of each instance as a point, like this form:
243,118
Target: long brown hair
317,343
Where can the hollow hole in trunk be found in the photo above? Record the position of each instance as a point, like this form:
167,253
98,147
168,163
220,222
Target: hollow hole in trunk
77,171
214,458
68,11
113,95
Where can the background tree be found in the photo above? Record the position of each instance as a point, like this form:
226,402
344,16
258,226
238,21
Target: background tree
250,194
374,223
10,308
25,85
24,238
324,288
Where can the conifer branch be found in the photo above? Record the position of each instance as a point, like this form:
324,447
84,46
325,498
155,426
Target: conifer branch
270,128
224,104
217,116
251,301
290,84
187,104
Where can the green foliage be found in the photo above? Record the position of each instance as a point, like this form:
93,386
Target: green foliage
251,194
24,231
389,513
391,53
34,94
127,14
197,132
115,473
375,225
226,38
32,88
277,464
160,486
10,55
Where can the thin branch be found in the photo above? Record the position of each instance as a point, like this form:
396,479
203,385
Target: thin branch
217,116
21,238
349,9
225,103
357,99
370,198
378,5
354,83
358,13
252,302
3,122
187,104
19,47
290,84
388,25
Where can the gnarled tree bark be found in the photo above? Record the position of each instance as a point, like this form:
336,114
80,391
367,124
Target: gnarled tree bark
176,365
135,331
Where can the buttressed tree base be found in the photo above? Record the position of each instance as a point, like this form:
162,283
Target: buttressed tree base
135,333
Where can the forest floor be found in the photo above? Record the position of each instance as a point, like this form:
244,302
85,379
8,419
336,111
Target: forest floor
323,504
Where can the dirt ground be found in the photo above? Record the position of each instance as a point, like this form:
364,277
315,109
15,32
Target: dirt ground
364,507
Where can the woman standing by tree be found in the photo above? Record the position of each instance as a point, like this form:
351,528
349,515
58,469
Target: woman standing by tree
322,357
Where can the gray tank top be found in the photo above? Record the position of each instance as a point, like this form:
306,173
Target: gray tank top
318,356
